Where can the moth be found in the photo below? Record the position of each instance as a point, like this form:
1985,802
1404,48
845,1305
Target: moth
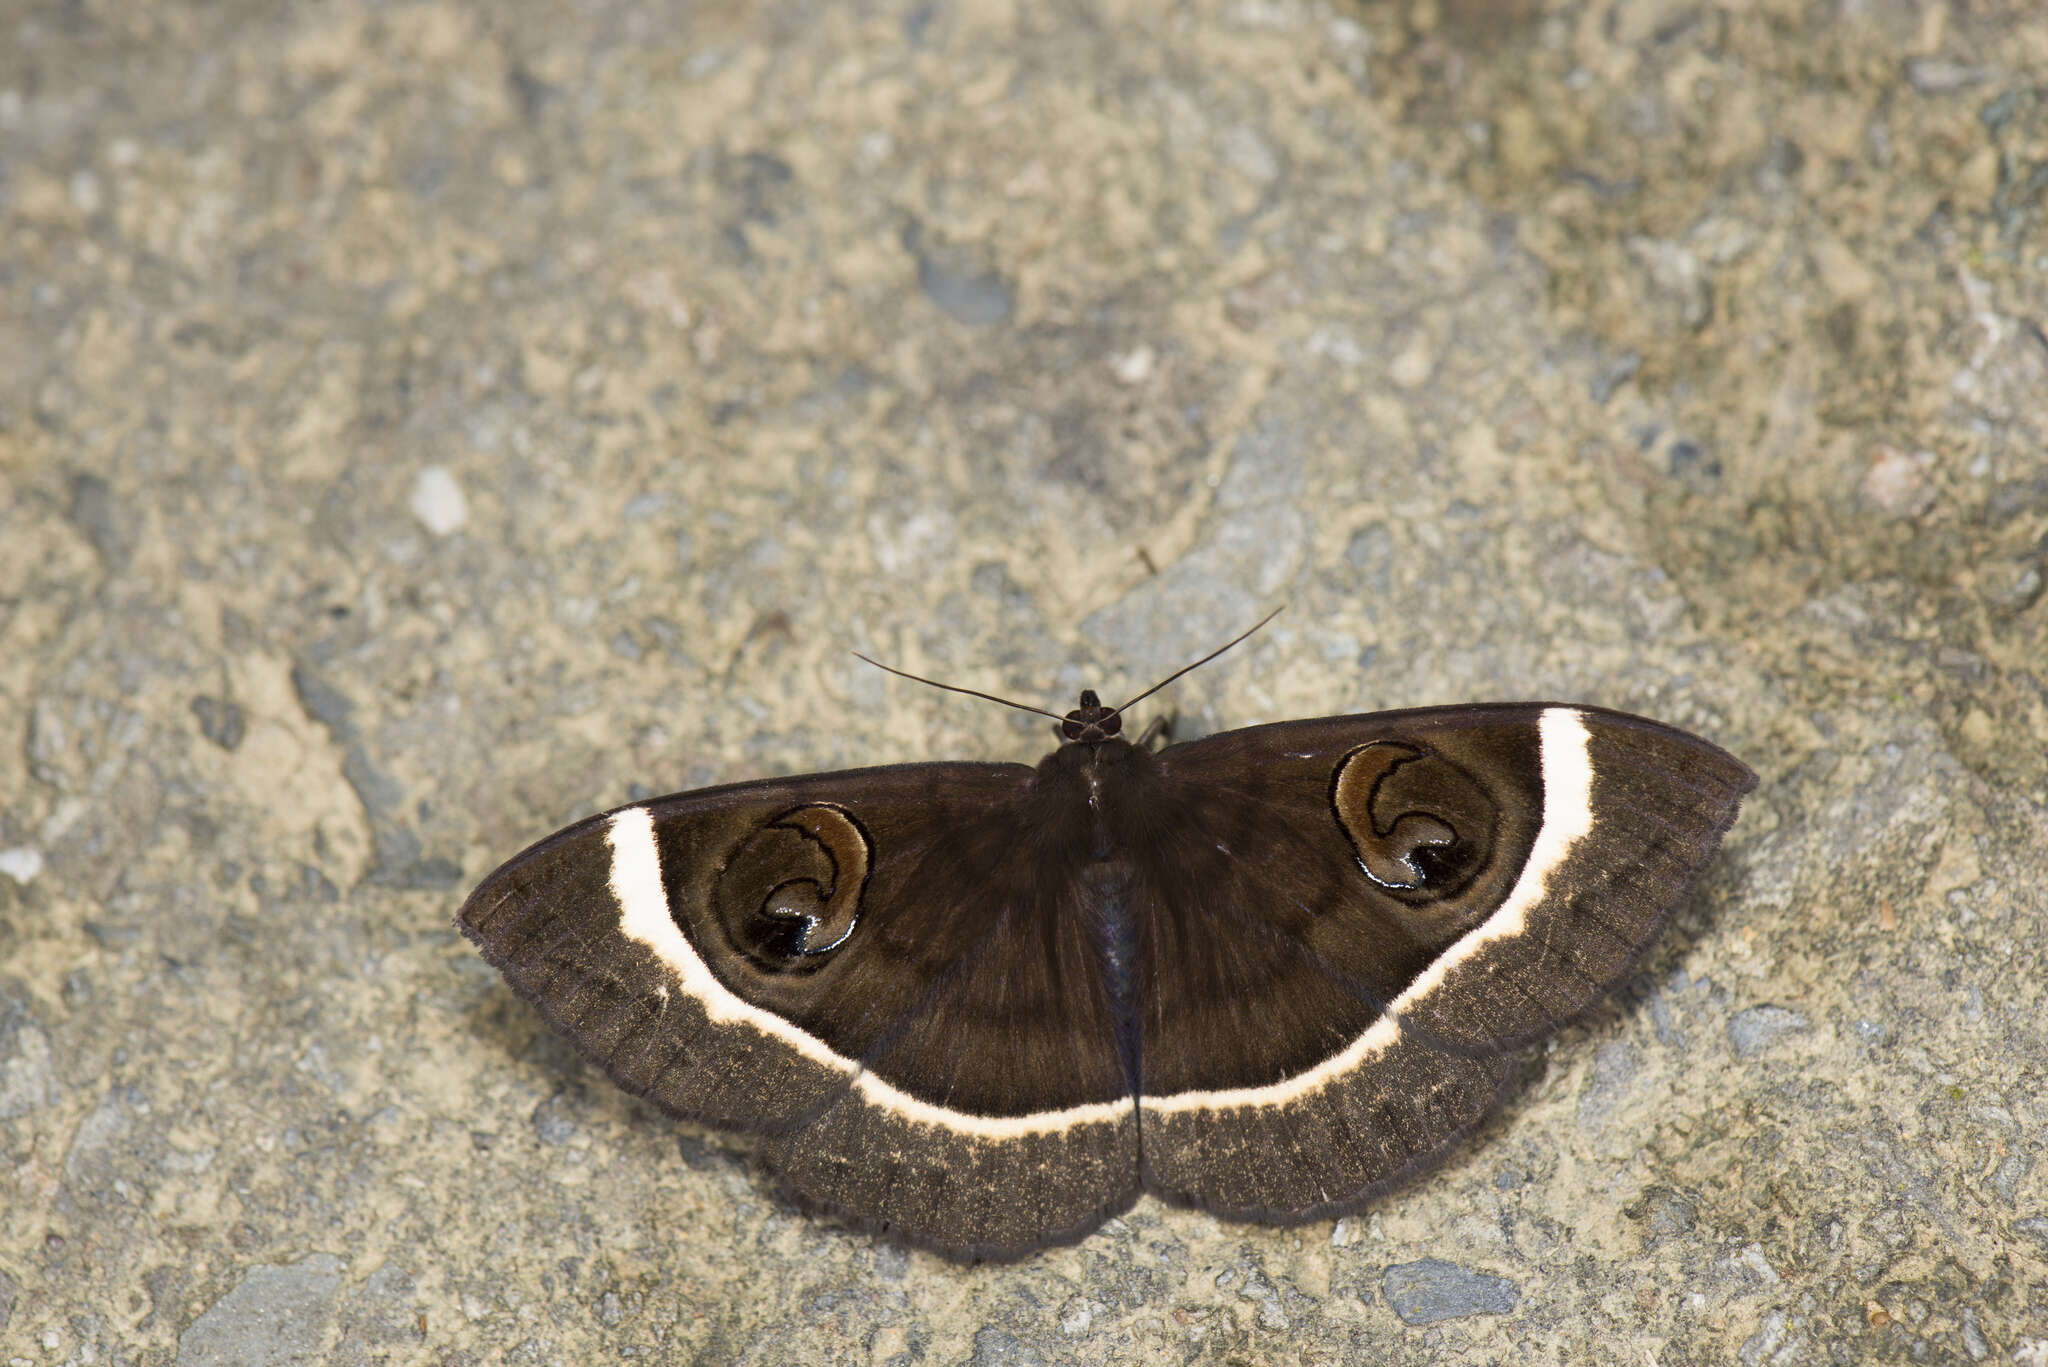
982,1007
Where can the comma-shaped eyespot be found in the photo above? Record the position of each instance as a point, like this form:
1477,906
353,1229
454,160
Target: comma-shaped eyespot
789,894
1420,825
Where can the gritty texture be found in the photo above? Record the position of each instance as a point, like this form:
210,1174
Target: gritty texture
423,423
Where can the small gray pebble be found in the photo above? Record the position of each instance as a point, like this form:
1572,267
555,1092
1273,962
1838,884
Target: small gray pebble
1431,1290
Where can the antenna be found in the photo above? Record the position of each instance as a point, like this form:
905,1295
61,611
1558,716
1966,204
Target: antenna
955,688
1118,709
1112,712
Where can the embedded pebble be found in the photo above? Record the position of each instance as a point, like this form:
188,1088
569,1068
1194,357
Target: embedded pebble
1752,1031
1431,1290
275,1316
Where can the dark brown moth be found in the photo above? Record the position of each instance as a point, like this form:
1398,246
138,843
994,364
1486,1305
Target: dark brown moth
982,1007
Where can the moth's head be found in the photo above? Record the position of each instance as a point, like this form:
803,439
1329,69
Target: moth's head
1091,722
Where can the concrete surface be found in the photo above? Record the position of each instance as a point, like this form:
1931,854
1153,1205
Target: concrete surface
424,423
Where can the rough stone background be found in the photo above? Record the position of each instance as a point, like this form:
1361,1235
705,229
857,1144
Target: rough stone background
424,423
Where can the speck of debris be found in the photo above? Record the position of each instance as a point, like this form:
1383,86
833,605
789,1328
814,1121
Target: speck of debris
438,502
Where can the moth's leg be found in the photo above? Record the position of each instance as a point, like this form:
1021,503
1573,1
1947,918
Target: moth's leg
1160,729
